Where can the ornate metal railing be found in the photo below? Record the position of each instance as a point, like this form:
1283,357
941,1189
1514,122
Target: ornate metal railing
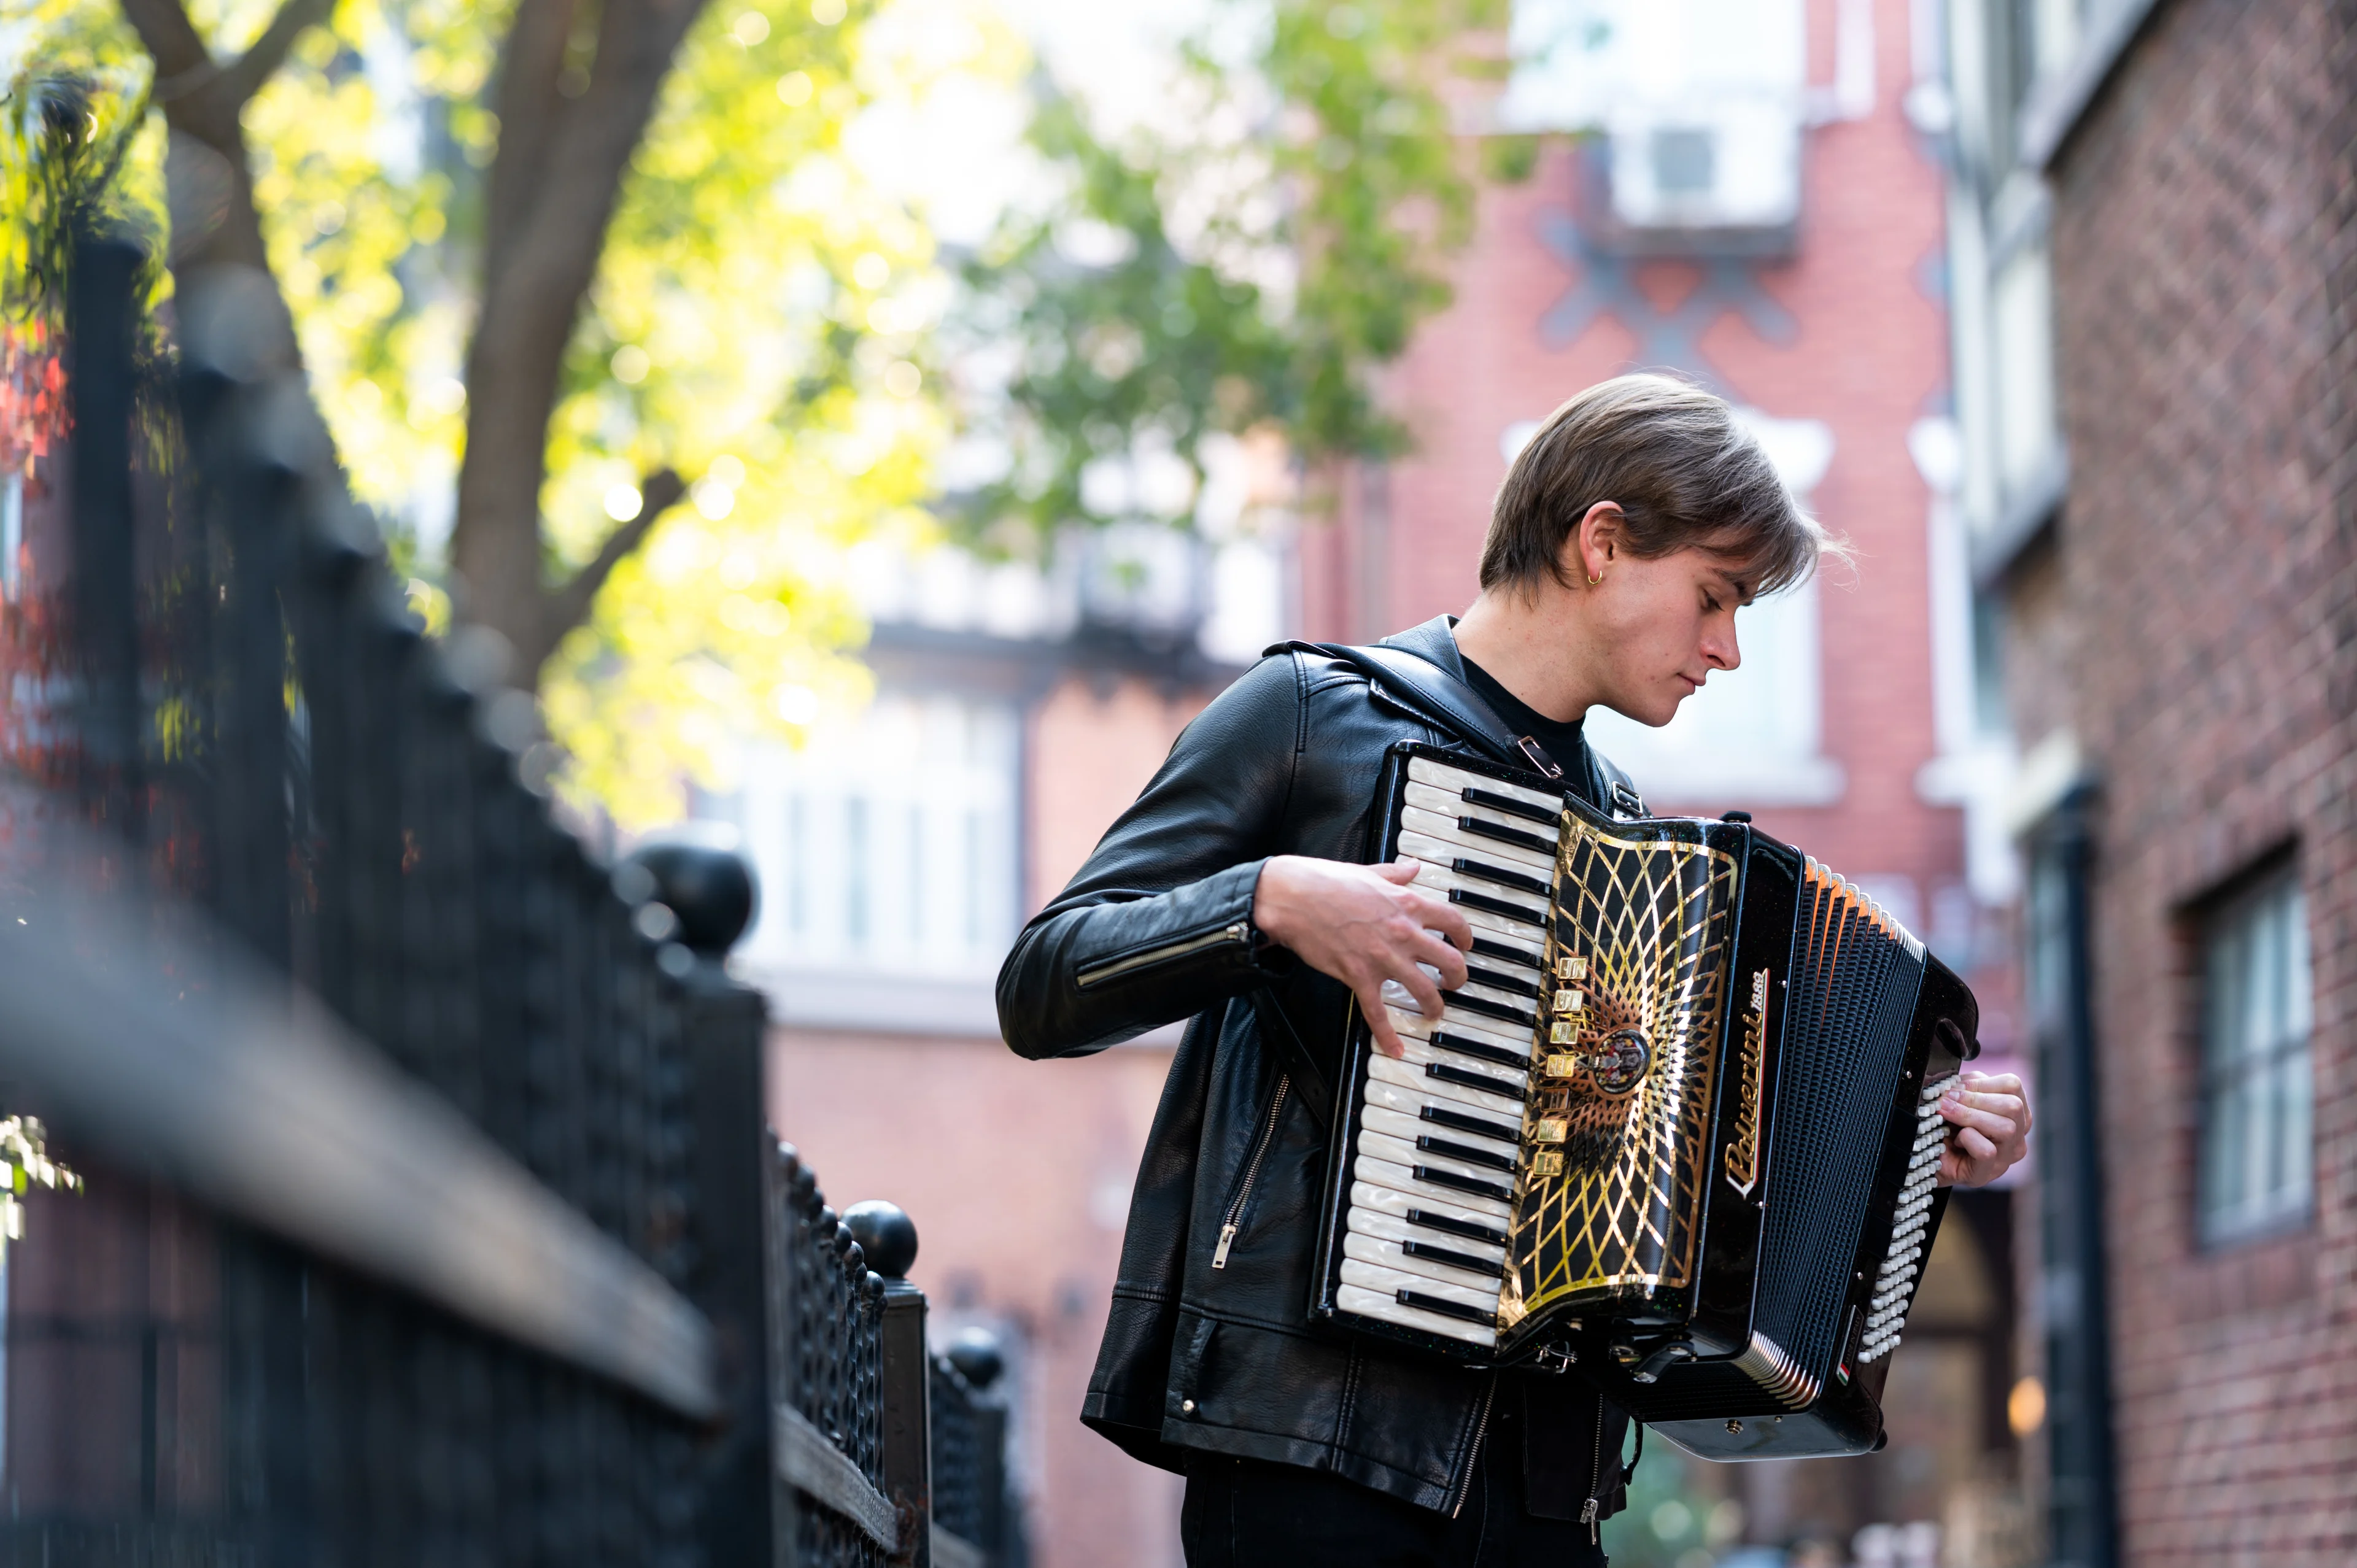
429,1215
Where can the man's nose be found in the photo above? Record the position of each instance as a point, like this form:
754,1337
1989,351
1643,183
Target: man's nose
1721,650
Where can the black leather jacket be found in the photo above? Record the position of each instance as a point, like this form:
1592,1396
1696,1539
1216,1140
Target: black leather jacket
1210,1347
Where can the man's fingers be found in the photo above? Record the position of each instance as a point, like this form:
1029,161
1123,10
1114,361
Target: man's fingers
1995,1114
1379,1025
1973,1144
1442,957
1421,986
1440,915
1400,871
1992,1082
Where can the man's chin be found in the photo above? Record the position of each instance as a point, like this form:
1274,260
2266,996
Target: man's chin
1659,715
1652,715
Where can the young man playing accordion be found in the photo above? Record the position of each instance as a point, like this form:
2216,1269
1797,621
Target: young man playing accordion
1628,532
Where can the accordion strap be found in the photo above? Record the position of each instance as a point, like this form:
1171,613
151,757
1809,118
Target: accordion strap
1457,708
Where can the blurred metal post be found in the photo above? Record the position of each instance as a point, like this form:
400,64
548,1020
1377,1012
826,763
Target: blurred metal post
976,1356
102,382
2082,1507
990,1443
889,1239
709,893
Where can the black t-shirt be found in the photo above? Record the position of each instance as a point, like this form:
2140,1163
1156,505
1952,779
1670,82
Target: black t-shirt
1560,741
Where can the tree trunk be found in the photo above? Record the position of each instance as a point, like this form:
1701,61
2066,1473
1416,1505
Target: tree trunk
551,193
553,190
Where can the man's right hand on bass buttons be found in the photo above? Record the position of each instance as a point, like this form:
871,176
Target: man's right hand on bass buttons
1365,925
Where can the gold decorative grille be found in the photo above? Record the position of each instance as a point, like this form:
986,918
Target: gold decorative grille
1653,919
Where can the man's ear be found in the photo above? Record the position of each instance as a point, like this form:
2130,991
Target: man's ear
1596,542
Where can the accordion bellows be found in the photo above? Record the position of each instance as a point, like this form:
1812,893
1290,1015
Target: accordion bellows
1678,1133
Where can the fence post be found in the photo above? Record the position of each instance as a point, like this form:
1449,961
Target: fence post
976,1356
709,894
101,380
889,1238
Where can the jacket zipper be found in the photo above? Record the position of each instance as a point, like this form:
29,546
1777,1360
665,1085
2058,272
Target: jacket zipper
1251,1173
1238,932
1473,1455
1592,1508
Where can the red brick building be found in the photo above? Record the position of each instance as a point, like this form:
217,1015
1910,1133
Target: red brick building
2180,656
1809,291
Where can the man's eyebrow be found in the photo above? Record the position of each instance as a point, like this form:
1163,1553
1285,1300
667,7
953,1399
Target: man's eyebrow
1743,595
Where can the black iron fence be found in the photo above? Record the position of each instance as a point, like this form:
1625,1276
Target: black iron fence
470,1244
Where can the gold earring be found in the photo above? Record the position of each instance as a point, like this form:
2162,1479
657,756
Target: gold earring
1597,580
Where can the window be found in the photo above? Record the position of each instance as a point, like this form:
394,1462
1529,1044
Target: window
887,851
2257,1155
2021,312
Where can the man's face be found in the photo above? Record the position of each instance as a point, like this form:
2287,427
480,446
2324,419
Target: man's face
1663,627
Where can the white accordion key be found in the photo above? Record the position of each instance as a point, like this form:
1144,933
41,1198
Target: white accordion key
1484,894
1367,1220
1438,1213
1428,835
1404,1179
1386,1307
1385,1253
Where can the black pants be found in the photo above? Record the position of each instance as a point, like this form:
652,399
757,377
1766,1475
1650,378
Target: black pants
1243,1514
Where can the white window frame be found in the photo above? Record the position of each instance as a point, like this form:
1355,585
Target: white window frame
889,852
2254,1170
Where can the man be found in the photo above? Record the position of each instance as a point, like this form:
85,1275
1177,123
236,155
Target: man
1626,535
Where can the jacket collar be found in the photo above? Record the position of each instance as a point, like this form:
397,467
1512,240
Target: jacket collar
1434,642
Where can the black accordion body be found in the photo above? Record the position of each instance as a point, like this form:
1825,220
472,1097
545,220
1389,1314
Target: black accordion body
1678,1133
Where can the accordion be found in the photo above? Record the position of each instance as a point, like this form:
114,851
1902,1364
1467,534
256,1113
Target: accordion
1678,1133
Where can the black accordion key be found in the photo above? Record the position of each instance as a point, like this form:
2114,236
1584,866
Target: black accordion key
1474,1185
1467,1153
1464,1079
1447,1259
1498,907
1451,1225
1441,1116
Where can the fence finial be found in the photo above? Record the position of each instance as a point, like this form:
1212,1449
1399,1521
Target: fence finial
886,1234
709,887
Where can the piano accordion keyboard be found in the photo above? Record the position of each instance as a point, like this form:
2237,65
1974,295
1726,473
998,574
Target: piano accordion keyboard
1431,1202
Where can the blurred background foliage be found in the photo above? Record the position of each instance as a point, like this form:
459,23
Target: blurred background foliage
1673,1519
756,325
1244,263
781,330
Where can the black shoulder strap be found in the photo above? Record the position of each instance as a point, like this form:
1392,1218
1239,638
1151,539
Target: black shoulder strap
1458,708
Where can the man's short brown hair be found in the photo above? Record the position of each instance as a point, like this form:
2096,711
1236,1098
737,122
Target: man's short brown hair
1681,470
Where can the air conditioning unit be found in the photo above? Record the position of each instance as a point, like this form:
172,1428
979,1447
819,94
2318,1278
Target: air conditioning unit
1697,179
1693,110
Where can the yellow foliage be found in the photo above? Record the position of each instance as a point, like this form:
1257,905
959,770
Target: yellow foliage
760,324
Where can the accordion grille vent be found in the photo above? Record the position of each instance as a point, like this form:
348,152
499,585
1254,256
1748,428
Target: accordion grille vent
1851,997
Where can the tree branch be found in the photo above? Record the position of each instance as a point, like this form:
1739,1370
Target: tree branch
241,80
569,606
198,93
172,39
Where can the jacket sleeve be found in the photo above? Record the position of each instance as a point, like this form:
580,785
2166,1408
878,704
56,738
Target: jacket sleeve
1157,924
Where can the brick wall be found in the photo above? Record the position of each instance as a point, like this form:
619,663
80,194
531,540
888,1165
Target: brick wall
2202,238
